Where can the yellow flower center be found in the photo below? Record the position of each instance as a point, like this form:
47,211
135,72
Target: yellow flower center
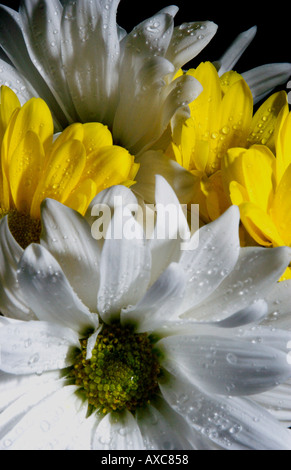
24,229
122,373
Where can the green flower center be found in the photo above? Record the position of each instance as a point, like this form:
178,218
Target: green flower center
24,229
122,373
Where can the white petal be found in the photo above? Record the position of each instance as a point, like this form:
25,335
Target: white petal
160,433
159,303
41,29
12,303
178,432
152,36
188,41
14,386
118,431
10,77
49,424
17,410
251,314
125,266
231,423
147,84
91,342
171,228
90,54
225,365
47,291
137,83
255,273
279,309
35,347
278,402
12,42
67,236
216,255
81,439
264,78
111,197
154,163
235,51
170,10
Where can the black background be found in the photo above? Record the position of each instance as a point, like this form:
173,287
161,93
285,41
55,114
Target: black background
273,19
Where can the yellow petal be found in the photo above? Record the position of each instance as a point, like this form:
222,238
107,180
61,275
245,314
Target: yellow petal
25,170
281,207
228,79
283,142
81,196
258,164
286,275
5,156
216,201
236,117
8,103
205,109
96,135
237,193
188,144
199,195
231,167
73,132
174,153
259,225
134,169
265,119
33,116
62,175
5,195
109,166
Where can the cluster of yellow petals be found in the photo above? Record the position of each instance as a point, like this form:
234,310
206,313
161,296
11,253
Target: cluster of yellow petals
71,167
221,118
258,181
239,158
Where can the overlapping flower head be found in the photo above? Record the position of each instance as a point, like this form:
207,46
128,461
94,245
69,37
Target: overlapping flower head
87,68
221,118
150,346
258,181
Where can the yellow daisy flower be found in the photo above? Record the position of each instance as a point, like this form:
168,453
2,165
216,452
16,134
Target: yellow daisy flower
259,183
71,167
221,118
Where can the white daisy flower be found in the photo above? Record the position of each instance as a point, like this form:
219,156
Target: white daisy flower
87,68
133,343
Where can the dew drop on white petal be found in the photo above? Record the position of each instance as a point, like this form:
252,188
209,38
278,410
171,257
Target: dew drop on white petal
7,443
231,358
105,441
45,426
33,359
27,343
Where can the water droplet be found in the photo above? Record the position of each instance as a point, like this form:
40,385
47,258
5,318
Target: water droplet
225,130
231,358
45,426
33,359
